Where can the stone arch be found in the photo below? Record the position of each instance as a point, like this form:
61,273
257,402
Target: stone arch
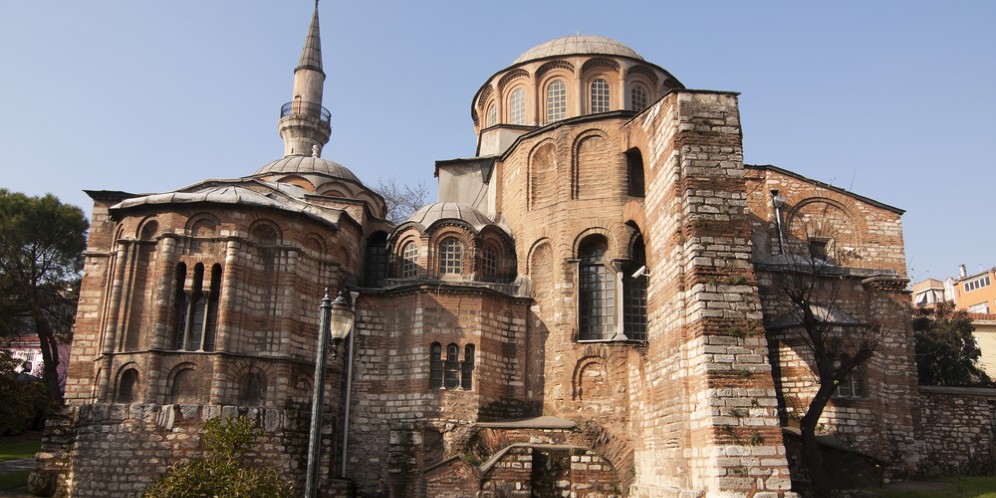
587,153
543,175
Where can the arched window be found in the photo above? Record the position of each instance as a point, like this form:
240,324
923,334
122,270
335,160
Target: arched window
409,260
638,97
436,366
451,373
599,96
492,115
489,263
635,293
517,107
635,180
127,385
596,292
556,101
467,368
376,269
450,257
196,308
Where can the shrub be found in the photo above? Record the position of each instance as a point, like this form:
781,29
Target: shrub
223,471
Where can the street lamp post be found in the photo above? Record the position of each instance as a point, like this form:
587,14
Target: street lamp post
336,323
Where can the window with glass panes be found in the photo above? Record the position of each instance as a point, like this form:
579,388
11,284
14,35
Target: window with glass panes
436,366
489,263
556,101
450,257
517,107
599,95
492,118
451,368
409,260
638,97
596,293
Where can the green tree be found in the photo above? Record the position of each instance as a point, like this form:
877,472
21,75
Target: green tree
946,351
223,471
41,257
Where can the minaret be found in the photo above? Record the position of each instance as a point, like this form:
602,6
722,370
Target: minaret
304,123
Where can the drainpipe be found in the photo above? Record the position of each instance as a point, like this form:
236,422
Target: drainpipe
779,201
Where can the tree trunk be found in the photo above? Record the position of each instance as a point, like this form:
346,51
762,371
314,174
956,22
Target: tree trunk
50,355
810,448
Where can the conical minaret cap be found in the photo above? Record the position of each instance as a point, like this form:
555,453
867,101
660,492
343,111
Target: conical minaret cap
311,55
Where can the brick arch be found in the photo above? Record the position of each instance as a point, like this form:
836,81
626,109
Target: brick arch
826,218
148,228
611,240
590,379
567,66
585,150
600,63
202,225
265,232
508,78
182,385
299,181
450,229
315,243
483,98
543,175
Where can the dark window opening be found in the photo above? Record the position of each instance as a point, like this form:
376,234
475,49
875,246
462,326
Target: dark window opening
436,366
635,294
376,269
634,168
467,368
451,374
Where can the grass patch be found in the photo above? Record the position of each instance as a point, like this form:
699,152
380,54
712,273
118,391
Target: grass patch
13,449
14,480
953,487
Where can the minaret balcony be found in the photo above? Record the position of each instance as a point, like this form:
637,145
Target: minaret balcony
306,109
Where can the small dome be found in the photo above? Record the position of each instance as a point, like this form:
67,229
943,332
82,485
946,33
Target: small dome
307,165
432,213
578,45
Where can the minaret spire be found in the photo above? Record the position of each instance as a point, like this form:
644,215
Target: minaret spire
304,123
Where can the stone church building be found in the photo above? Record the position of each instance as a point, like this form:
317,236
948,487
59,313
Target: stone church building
592,307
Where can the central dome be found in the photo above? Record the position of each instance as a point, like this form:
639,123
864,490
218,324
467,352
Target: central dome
578,45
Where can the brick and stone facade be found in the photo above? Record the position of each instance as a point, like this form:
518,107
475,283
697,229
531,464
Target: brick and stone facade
591,308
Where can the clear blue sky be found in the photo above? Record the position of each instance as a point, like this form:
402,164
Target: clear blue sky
894,100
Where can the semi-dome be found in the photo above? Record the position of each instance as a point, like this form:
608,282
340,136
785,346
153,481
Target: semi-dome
578,45
427,215
307,165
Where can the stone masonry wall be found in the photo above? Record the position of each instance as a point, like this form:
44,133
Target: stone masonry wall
957,430
112,450
705,327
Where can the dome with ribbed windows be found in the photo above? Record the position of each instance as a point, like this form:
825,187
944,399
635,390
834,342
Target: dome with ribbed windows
577,45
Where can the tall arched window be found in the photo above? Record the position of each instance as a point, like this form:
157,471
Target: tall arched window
436,366
596,292
635,294
492,115
253,389
409,260
450,257
517,107
638,97
556,101
635,183
467,368
196,308
451,371
599,96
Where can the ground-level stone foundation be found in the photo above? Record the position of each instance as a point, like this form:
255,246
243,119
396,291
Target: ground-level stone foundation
957,430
